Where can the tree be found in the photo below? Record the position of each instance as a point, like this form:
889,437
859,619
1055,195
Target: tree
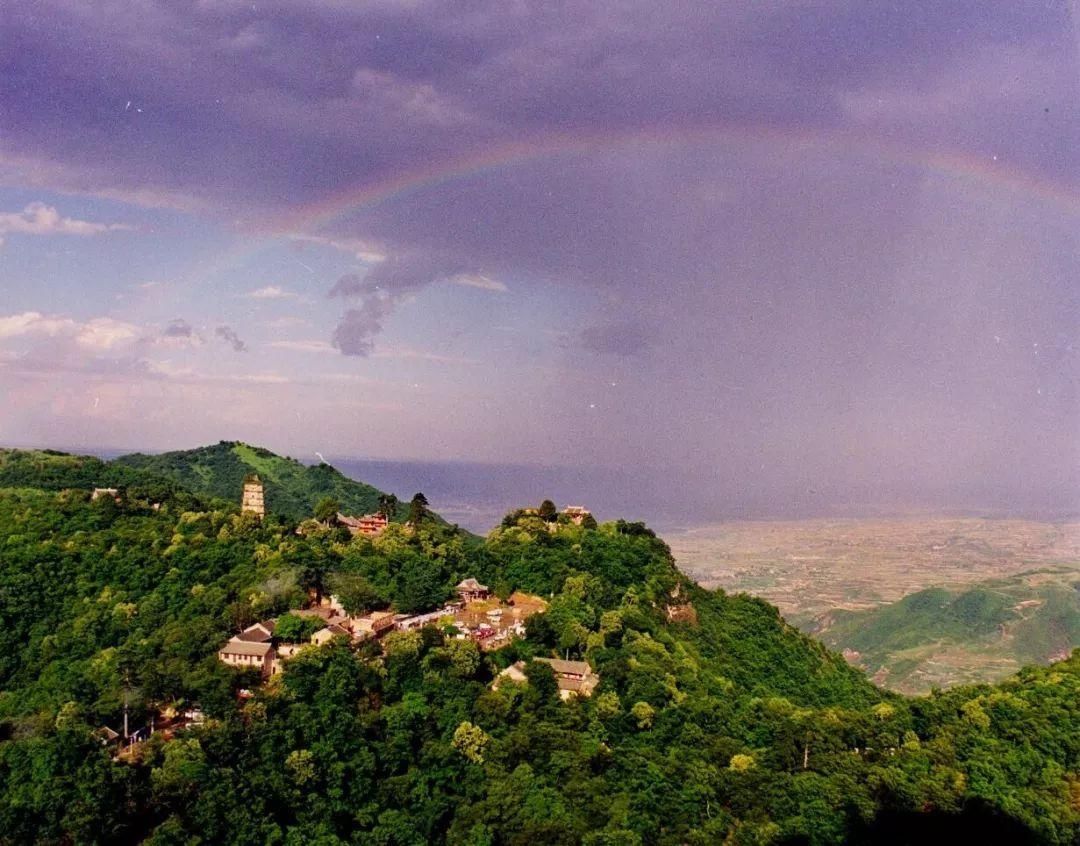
419,587
470,741
548,512
418,509
357,594
293,629
327,510
644,713
388,506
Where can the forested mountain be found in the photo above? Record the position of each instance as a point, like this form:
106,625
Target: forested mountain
212,472
51,470
714,721
990,629
292,489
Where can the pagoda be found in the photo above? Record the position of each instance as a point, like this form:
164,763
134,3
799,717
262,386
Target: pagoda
252,500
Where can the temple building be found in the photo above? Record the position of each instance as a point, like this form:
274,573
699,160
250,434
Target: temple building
245,654
470,590
252,500
573,678
369,524
576,514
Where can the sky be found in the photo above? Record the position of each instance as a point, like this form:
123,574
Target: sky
767,251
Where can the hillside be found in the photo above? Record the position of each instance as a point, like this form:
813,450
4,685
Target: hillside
937,637
292,489
894,590
52,470
713,720
213,472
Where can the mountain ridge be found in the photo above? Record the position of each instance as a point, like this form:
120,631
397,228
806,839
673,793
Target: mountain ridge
215,471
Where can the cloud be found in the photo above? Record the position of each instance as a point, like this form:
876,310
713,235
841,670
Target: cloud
358,326
476,280
380,290
287,322
104,334
364,251
40,219
307,346
349,285
270,292
412,354
178,328
797,198
30,323
178,334
229,336
100,334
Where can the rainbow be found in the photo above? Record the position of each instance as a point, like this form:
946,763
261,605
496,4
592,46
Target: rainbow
964,166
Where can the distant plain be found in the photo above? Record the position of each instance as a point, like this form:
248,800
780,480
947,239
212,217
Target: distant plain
1016,582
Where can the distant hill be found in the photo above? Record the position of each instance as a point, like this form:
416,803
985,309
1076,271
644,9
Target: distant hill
47,469
292,489
938,637
212,472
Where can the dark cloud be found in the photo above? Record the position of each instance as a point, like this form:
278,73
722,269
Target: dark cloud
229,336
834,231
358,326
379,292
349,285
259,108
178,328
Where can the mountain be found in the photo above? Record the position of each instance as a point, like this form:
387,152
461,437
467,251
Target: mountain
292,489
941,637
49,469
712,720
212,472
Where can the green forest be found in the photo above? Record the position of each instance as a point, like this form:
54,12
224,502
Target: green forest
714,721
1002,623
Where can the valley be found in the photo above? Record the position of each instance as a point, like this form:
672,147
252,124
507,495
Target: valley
845,581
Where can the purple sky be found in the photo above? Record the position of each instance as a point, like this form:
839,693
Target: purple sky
766,248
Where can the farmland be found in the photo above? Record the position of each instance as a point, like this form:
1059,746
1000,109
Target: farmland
843,581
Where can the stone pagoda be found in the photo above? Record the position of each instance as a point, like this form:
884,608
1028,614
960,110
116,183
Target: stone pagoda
252,500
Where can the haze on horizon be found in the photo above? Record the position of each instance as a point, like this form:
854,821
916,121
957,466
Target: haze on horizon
764,253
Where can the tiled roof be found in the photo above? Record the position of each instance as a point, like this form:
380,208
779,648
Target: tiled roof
242,647
574,668
257,633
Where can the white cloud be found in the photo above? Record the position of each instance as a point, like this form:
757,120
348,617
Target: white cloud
103,334
286,322
412,354
40,219
310,346
270,292
31,323
99,335
476,280
364,251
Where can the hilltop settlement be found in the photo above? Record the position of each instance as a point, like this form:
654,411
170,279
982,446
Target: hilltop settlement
227,646
475,615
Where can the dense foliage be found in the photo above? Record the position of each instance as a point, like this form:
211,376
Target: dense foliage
729,725
1027,619
292,489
